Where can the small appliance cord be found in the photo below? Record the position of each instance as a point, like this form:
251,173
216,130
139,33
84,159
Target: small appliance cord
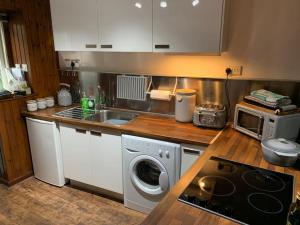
228,73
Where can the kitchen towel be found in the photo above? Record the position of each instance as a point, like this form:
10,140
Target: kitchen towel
270,97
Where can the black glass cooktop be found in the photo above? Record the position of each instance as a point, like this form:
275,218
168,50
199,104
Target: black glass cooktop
242,193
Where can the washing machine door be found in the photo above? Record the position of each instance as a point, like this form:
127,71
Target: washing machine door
149,175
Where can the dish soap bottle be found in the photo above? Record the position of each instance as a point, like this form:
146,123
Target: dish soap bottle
294,214
84,102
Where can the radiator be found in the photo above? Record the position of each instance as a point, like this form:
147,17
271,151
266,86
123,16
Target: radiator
132,87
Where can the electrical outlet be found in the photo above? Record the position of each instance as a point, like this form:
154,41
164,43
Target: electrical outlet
236,70
75,62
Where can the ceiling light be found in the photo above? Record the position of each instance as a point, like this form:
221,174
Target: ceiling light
138,5
163,4
195,2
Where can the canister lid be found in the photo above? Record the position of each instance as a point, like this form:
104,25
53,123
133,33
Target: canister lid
185,91
31,101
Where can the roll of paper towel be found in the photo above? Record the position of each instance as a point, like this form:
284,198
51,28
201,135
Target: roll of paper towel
160,95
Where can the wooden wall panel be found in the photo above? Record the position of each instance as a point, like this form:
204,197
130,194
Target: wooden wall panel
14,139
32,44
7,5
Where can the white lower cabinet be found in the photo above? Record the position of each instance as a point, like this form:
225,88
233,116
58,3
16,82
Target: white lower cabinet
76,154
92,157
106,161
189,155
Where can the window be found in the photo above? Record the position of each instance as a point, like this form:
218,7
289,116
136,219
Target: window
3,51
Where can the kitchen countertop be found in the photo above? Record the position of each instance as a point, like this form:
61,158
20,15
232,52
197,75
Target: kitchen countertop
146,125
230,145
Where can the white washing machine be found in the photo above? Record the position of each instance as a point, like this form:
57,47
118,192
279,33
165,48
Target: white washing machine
150,169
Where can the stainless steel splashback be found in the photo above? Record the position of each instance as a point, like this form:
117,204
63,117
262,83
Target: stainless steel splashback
208,91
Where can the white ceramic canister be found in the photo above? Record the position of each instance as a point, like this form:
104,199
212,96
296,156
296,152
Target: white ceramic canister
50,101
41,103
185,105
32,105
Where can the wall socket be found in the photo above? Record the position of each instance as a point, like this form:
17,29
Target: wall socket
68,63
236,70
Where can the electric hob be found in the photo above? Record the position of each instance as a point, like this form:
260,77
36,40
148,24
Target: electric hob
242,193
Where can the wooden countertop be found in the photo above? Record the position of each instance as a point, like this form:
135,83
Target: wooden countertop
230,145
146,125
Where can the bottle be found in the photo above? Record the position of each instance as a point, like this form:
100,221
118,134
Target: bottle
100,101
91,103
84,102
294,214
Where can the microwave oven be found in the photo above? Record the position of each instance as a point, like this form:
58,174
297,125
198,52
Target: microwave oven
262,123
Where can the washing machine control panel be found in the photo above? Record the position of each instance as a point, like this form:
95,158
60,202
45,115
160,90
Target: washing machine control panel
163,153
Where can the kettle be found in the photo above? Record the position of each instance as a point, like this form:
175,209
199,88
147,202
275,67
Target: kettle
64,95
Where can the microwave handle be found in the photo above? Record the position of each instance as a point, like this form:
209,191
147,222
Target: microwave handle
259,126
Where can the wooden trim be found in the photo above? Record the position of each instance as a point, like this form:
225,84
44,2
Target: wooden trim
14,98
8,44
16,180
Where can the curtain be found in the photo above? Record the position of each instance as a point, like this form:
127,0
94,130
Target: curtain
3,55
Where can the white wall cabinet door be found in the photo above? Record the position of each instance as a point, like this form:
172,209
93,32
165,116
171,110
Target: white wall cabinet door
106,152
187,26
126,25
75,24
76,154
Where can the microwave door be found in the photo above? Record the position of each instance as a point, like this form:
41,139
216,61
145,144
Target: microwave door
250,123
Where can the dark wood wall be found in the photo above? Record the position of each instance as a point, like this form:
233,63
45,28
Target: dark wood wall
7,5
14,141
30,42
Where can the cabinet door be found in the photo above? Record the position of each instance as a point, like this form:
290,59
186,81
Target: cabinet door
75,24
187,26
126,25
106,154
189,155
76,154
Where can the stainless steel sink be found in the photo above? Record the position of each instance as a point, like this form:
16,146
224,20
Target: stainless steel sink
112,117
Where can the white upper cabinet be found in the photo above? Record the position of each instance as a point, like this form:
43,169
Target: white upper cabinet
75,24
125,25
188,26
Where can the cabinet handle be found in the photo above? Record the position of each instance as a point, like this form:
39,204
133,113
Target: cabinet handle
106,46
81,131
191,151
90,46
162,46
95,133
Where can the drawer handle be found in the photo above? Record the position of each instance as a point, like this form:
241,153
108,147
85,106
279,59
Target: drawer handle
191,151
95,133
81,131
106,46
162,46
91,46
